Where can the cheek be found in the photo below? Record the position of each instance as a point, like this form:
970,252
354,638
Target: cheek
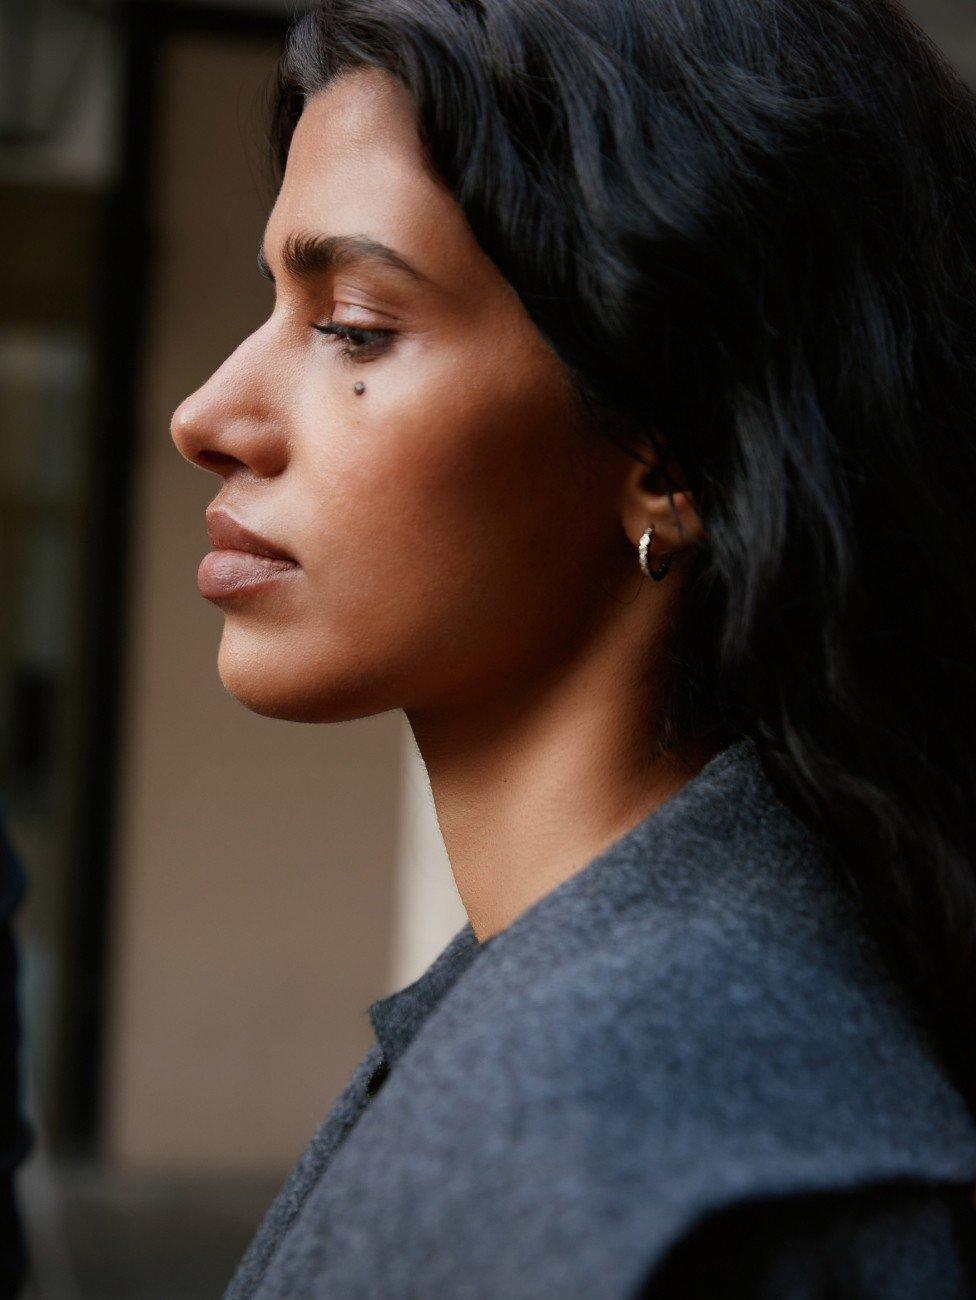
447,501
452,530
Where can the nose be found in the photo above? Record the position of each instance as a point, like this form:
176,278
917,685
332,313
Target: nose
227,424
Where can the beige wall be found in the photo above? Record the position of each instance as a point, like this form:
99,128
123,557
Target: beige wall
273,878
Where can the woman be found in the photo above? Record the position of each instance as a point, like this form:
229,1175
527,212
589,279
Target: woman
614,420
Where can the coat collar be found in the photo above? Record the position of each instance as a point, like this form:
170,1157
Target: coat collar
397,1018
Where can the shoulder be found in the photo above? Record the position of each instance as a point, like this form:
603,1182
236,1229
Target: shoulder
722,958
792,1053
771,1104
712,1063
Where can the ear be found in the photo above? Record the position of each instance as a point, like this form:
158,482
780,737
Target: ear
645,500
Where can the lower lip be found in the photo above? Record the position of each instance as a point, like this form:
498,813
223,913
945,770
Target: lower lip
225,574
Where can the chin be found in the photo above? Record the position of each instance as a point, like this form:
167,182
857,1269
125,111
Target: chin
290,684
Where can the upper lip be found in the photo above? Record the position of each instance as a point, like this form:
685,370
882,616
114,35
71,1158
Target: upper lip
229,534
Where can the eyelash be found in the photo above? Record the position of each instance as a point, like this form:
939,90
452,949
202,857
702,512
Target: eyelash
357,341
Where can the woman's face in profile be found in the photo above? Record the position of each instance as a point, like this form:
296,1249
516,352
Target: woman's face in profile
454,525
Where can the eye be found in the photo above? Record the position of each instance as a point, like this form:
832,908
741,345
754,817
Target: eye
359,344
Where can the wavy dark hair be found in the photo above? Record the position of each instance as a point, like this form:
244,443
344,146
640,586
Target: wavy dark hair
748,229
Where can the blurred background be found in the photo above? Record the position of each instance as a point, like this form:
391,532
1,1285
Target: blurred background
213,899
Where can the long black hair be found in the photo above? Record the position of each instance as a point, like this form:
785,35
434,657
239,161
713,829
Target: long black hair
748,227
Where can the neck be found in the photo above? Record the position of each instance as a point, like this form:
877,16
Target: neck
531,787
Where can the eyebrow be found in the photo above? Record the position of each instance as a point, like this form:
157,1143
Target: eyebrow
306,254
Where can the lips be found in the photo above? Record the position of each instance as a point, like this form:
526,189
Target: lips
242,561
229,534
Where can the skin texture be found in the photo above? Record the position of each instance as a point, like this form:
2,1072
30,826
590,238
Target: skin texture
467,547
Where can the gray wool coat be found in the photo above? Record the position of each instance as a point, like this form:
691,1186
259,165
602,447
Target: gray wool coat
684,1071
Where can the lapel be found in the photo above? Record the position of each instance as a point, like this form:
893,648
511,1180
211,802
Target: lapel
694,1018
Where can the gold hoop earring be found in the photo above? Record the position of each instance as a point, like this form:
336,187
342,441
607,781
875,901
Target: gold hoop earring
642,549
